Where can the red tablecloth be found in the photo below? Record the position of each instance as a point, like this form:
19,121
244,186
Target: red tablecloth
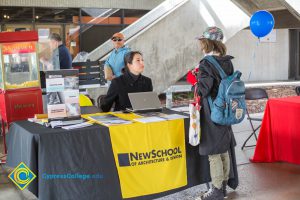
279,136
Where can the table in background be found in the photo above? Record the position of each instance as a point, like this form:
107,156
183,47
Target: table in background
279,136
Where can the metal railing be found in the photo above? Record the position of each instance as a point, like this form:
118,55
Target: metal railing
106,13
161,10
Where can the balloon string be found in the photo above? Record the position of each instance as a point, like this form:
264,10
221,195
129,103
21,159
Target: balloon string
253,58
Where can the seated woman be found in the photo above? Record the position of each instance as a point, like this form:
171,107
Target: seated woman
131,81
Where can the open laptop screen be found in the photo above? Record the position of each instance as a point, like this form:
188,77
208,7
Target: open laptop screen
143,101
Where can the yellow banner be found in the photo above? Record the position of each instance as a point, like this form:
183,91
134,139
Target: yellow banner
150,158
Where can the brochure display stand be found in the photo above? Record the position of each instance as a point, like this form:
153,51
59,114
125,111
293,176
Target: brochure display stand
62,89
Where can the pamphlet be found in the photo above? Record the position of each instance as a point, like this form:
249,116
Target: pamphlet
149,119
158,117
62,88
81,125
109,119
163,115
38,121
173,116
57,124
184,109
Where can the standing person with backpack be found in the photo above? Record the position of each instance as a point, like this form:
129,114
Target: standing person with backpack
216,139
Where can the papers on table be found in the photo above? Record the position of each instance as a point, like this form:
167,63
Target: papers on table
67,124
109,119
81,125
173,116
163,115
160,117
38,121
184,109
57,124
149,119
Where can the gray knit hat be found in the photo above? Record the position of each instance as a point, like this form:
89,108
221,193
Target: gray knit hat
212,33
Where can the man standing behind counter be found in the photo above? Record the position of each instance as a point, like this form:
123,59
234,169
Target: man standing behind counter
115,62
60,51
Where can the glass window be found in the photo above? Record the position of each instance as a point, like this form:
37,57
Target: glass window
56,15
133,15
17,27
16,15
97,16
98,25
44,51
110,16
72,39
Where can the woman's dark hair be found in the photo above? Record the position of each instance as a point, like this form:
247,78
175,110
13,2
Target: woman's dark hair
129,57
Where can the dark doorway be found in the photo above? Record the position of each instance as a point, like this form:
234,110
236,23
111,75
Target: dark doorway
294,66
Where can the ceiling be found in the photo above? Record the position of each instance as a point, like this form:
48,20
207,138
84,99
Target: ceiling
54,15
285,16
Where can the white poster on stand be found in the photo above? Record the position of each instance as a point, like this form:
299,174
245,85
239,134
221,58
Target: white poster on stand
62,87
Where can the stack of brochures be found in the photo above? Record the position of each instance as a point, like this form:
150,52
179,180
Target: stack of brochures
39,119
65,124
57,123
81,125
109,119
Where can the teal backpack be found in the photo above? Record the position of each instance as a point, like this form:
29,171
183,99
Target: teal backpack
229,107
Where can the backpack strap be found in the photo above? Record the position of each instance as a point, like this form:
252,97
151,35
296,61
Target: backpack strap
213,61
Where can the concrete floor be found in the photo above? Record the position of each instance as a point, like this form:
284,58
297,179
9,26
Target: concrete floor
259,181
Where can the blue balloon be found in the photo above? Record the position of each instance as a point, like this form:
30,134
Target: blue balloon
261,23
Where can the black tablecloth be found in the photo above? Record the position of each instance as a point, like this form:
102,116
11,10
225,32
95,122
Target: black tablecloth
85,151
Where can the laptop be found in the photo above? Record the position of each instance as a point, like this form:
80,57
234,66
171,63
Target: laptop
142,102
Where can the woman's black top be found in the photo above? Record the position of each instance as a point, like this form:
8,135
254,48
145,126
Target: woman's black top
121,86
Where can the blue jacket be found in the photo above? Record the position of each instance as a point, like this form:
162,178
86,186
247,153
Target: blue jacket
116,60
65,58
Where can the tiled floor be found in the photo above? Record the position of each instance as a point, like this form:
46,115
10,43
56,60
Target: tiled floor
274,181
